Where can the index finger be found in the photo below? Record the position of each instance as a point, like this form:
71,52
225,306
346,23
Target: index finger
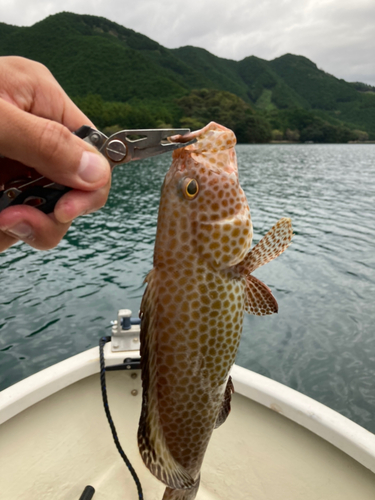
51,149
31,87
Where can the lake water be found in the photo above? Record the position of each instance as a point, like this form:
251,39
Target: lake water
58,303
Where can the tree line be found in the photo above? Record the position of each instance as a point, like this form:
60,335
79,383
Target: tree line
204,105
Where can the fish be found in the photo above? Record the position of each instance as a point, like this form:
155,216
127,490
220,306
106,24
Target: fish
193,306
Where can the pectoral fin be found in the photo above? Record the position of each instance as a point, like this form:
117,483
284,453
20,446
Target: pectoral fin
259,299
269,247
151,440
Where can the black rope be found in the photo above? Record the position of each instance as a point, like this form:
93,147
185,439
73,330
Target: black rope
102,343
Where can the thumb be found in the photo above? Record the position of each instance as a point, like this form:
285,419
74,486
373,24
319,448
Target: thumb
51,149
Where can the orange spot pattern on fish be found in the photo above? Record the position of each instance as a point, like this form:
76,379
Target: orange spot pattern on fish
192,309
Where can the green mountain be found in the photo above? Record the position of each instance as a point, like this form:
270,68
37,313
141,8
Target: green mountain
120,77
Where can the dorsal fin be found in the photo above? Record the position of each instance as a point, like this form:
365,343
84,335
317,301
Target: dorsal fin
225,407
269,247
151,441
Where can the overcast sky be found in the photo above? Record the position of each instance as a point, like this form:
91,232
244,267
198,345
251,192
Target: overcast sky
338,35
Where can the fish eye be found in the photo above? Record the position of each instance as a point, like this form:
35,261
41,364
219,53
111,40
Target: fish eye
190,188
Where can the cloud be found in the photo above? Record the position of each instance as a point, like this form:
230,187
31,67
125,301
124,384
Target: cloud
338,35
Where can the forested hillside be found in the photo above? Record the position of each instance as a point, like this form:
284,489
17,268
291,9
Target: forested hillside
122,78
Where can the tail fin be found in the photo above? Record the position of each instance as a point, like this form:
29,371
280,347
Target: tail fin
188,494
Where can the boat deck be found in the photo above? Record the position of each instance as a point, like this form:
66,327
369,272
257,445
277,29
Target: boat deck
55,448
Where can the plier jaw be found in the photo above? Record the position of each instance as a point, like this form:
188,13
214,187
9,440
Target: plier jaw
22,185
130,145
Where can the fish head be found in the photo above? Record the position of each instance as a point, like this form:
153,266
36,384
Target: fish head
203,210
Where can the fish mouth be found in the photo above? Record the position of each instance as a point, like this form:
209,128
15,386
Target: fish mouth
213,137
211,159
203,160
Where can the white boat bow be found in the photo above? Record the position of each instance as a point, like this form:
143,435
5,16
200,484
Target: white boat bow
277,443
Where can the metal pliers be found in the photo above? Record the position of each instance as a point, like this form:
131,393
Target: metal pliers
20,184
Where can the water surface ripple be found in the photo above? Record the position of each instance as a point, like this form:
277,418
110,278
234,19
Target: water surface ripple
55,304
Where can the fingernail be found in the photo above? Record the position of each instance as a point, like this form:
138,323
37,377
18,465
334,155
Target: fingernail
22,231
93,167
174,138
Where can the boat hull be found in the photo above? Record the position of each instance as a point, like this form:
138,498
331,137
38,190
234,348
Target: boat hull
55,446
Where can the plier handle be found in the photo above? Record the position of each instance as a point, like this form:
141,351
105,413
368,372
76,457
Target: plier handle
20,184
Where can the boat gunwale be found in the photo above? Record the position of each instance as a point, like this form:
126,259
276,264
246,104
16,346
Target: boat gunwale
322,421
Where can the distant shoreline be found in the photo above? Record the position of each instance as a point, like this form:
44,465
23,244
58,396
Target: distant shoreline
312,142
361,142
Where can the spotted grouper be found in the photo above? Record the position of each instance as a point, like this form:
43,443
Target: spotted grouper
192,309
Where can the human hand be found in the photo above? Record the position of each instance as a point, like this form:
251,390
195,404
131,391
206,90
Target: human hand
36,123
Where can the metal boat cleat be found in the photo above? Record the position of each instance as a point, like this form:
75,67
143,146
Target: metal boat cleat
125,332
